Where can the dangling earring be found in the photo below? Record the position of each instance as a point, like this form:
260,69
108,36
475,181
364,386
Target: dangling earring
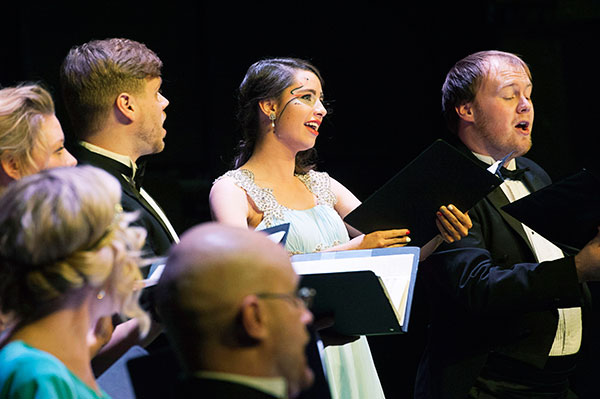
101,294
272,116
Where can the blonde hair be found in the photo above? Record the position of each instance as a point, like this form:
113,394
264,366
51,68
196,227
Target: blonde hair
62,231
22,111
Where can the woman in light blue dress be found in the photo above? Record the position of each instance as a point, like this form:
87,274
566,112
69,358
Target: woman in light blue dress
68,258
274,182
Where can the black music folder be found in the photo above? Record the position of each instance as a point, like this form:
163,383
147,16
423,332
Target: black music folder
566,212
367,292
277,234
440,175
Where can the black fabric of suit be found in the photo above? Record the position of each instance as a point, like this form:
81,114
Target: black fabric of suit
488,295
158,240
217,389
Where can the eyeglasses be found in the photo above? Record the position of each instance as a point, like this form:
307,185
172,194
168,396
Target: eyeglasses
303,297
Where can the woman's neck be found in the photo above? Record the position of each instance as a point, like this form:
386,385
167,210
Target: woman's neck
63,334
278,164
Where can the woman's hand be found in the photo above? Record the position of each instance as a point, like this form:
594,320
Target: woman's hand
452,223
384,239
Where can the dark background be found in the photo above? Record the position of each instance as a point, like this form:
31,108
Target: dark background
383,67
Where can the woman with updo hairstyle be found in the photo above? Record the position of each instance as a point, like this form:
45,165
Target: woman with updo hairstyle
68,257
31,137
274,181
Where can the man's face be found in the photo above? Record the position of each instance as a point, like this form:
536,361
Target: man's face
289,334
503,110
152,103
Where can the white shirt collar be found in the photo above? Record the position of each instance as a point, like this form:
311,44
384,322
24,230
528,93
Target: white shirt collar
124,159
275,386
510,165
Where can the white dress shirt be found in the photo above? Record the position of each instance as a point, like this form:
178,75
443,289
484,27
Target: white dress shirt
568,335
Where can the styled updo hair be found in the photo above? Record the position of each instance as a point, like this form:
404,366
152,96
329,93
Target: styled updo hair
267,79
22,111
62,230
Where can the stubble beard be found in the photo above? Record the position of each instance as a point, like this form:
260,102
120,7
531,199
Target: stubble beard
500,145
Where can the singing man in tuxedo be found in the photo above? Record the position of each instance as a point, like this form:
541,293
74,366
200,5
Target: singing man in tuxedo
233,312
506,304
111,89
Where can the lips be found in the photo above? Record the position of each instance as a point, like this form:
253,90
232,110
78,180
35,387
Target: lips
313,126
524,127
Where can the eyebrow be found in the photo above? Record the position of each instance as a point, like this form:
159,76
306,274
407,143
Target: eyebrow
57,145
312,91
530,84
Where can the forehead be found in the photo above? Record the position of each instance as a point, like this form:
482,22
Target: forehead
153,83
502,73
50,129
307,80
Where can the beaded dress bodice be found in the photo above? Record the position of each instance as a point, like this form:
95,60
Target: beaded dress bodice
312,229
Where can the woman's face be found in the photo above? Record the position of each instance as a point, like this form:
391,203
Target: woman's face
300,111
55,154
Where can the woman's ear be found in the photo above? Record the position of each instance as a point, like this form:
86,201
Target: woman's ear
10,167
268,107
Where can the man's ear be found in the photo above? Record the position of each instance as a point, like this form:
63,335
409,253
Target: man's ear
125,104
10,168
465,112
253,318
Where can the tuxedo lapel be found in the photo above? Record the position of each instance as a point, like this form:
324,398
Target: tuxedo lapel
118,170
498,199
531,180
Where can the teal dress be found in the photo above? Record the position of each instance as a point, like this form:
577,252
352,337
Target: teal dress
29,373
350,368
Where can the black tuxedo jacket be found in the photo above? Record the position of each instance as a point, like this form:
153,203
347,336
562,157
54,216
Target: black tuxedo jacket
217,389
488,294
158,240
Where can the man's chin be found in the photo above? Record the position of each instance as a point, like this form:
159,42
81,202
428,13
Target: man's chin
523,148
305,381
159,147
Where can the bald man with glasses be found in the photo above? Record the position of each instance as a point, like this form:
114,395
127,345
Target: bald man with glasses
232,308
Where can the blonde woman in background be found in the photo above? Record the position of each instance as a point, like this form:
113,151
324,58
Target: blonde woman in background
68,258
31,137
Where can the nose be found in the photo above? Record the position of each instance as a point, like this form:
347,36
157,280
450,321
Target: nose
525,105
307,317
69,159
164,101
320,109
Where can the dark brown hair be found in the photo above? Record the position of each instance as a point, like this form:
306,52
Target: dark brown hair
267,79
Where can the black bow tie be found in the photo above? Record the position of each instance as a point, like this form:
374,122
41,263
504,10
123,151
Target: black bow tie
139,175
516,174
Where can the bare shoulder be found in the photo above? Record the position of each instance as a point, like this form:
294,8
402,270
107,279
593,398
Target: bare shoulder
228,202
